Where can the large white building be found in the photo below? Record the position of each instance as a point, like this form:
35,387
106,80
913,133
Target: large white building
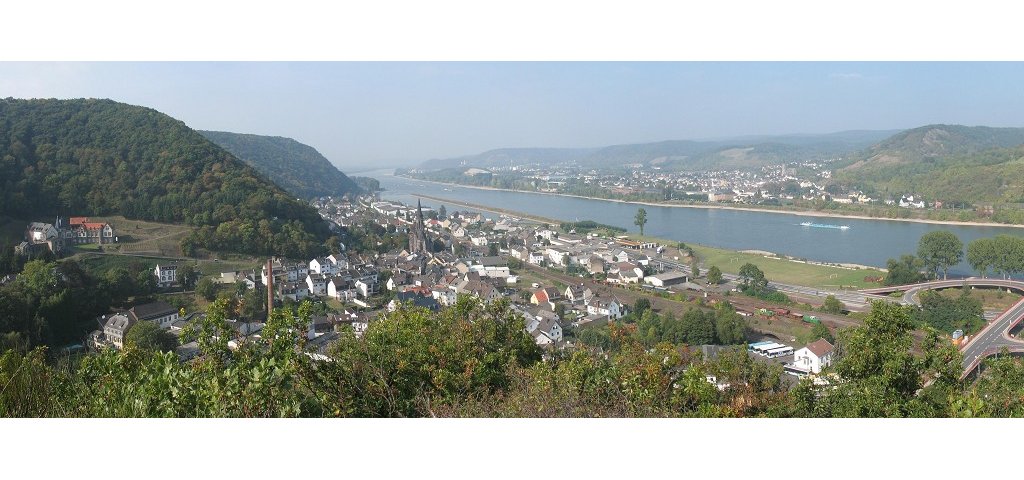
814,357
166,275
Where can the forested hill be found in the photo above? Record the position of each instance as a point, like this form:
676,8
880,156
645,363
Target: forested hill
101,157
296,167
930,142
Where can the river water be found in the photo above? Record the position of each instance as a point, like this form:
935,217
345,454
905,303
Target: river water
866,242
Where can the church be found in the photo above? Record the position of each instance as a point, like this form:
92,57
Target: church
417,234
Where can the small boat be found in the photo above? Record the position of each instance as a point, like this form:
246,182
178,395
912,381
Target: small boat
825,225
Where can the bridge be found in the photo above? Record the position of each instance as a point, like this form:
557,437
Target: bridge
990,340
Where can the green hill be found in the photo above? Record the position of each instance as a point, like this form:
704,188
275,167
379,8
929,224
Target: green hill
101,157
954,164
931,142
296,167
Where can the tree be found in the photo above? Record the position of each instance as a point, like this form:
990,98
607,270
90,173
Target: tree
698,327
753,279
833,305
940,250
206,289
694,269
1009,255
904,271
560,310
442,212
819,330
981,254
730,327
149,336
947,314
492,249
880,376
641,219
714,275
641,305
188,275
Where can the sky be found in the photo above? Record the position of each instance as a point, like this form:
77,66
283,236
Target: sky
362,115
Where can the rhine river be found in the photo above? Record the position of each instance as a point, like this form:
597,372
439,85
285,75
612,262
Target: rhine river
866,242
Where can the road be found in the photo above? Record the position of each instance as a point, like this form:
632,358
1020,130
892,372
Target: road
991,339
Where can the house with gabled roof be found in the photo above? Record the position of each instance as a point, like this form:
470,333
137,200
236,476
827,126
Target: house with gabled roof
161,313
814,357
545,295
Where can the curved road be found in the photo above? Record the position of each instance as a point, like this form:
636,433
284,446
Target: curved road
991,339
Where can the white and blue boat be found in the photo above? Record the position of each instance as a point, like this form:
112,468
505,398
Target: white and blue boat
825,225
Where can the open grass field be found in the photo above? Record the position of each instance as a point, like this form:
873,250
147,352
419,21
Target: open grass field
145,238
787,271
777,269
100,264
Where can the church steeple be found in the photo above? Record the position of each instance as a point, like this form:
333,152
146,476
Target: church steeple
418,235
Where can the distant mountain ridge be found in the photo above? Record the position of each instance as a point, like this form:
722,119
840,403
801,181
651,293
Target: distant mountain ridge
739,153
298,168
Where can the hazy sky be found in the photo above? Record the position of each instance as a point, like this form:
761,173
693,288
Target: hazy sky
361,115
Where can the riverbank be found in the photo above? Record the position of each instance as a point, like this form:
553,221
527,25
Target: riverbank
800,213
776,267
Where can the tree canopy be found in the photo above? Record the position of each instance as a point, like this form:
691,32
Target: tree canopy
298,168
149,336
940,250
100,157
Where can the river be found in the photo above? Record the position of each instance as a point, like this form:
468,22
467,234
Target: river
866,242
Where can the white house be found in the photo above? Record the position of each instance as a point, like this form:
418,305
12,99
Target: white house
551,329
116,328
297,273
340,289
294,290
535,258
338,261
160,313
166,275
317,284
612,308
479,241
322,266
814,357
366,287
444,296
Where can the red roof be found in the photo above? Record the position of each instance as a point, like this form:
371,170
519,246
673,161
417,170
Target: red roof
820,348
94,226
541,295
77,220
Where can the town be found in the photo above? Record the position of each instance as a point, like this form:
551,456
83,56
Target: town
561,279
803,185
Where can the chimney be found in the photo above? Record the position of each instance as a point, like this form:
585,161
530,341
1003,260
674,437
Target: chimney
270,287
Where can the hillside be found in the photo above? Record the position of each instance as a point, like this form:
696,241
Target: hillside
994,176
100,158
296,167
931,142
732,153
